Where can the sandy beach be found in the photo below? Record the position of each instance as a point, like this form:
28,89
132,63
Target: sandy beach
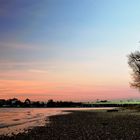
86,125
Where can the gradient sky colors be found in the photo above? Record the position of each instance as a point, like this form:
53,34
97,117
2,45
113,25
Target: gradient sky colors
67,49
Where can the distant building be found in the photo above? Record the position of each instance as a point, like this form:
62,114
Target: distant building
27,102
14,101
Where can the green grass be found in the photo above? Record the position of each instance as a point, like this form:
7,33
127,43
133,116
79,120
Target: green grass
116,102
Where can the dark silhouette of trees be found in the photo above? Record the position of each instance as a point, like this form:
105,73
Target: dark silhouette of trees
27,103
2,102
37,104
13,102
51,103
134,63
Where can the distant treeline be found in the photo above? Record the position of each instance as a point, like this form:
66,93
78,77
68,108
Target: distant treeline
28,103
50,103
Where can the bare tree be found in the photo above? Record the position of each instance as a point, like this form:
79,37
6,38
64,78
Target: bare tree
134,63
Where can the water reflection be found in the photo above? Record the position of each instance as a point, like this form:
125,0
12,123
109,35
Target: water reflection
15,120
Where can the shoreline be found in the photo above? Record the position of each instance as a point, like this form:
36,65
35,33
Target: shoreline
87,125
29,118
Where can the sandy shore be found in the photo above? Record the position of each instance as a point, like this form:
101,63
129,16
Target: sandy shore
86,125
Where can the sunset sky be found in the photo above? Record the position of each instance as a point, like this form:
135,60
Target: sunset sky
68,49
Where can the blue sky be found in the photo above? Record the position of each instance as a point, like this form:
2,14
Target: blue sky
84,39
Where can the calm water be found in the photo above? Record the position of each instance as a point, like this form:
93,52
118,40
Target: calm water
15,120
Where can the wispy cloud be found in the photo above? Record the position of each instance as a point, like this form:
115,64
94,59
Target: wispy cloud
22,46
37,71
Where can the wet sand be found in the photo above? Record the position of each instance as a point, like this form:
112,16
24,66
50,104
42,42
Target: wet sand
86,125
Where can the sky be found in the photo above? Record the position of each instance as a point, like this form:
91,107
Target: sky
74,50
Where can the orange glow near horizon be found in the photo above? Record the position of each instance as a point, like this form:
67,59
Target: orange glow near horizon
43,91
56,50
71,82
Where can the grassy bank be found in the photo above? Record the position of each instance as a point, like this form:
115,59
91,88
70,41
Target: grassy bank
86,125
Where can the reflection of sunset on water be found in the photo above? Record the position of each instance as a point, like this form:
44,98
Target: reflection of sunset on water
16,120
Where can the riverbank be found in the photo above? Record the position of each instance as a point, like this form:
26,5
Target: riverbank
86,125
